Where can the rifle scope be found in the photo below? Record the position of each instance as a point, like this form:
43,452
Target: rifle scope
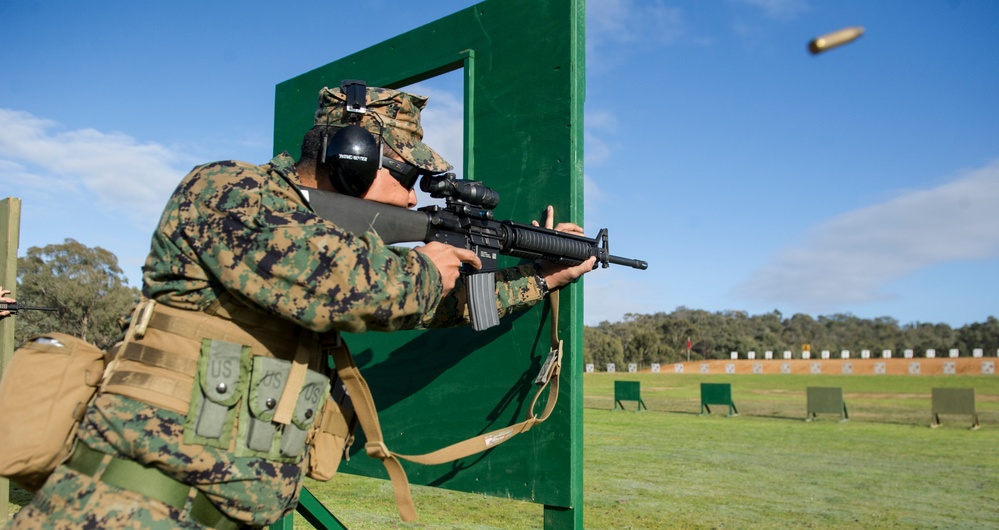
446,186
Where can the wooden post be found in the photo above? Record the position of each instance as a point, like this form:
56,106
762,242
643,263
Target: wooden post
10,229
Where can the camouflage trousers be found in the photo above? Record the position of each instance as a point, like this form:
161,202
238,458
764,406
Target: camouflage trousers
70,500
249,489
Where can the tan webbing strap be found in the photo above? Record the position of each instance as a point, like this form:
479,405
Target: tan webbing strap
550,374
552,369
556,343
367,416
169,387
202,325
143,312
136,329
296,376
157,357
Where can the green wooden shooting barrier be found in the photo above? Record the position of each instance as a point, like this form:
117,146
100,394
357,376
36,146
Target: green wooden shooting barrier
10,231
954,401
717,394
826,400
628,391
523,68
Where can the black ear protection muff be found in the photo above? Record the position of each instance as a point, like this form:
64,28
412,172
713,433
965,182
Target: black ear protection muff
353,154
354,157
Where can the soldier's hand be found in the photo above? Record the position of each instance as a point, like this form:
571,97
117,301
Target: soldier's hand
559,275
5,299
448,260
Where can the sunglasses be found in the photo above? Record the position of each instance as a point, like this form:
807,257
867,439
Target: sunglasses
405,173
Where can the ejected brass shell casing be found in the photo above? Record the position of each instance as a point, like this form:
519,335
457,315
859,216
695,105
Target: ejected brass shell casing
834,39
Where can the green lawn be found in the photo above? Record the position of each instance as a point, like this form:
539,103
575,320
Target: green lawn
900,399
766,468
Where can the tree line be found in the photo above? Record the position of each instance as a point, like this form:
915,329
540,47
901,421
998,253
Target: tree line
92,297
663,337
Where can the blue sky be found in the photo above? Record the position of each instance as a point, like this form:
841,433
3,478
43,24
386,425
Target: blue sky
750,174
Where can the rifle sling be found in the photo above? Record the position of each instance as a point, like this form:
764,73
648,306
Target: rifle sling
367,416
296,377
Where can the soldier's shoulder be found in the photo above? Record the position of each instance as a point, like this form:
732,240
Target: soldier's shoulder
232,172
228,167
222,176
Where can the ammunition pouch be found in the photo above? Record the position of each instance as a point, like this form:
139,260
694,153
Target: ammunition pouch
335,434
229,386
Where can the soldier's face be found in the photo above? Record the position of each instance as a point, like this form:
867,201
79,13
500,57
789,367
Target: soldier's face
387,190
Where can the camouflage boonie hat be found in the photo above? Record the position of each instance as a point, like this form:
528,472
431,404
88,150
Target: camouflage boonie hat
400,128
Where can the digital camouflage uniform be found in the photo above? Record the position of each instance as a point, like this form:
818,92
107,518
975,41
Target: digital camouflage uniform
246,230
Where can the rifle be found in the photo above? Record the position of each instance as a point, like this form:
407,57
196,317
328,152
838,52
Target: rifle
465,221
14,308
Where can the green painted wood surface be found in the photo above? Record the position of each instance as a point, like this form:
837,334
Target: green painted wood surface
716,394
523,65
824,400
627,390
953,401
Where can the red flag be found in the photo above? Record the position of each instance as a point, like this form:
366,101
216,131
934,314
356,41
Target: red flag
688,343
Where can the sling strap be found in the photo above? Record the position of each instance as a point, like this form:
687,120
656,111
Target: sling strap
296,377
375,447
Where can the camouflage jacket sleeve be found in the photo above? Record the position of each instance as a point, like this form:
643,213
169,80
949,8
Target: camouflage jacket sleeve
245,229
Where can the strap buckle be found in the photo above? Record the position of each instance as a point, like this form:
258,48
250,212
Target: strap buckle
377,450
552,366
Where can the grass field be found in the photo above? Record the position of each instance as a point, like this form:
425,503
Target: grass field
900,399
766,468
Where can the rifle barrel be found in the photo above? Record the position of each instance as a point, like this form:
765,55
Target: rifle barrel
15,307
628,262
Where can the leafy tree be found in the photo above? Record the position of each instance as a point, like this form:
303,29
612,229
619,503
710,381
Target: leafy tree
984,335
85,285
799,330
644,348
602,347
662,337
675,329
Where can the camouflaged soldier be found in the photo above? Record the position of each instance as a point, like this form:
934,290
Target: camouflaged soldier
203,418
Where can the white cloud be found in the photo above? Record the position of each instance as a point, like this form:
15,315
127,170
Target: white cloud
592,194
121,173
600,124
616,29
780,9
628,21
851,258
